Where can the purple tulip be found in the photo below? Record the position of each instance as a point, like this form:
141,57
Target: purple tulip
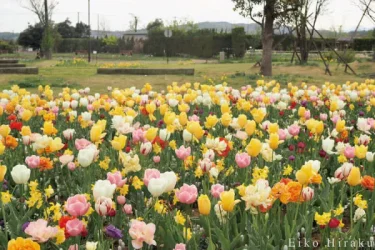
113,232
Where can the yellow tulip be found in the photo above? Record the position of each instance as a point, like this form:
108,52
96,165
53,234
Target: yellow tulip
195,129
169,118
340,126
360,151
274,141
258,115
3,171
254,147
2,148
305,174
119,142
211,121
49,129
56,144
163,108
151,134
4,130
227,200
242,120
273,128
225,108
301,111
25,131
182,118
204,204
250,127
96,133
354,177
26,115
226,119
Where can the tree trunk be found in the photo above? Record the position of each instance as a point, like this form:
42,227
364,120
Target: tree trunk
267,38
47,47
303,44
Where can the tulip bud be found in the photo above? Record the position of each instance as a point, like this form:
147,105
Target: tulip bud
204,205
307,193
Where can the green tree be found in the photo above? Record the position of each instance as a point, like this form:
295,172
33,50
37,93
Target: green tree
157,24
82,30
32,36
65,29
239,41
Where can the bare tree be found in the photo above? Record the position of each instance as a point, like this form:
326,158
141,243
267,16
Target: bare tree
308,12
368,8
38,8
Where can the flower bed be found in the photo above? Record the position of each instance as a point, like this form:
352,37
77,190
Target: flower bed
194,167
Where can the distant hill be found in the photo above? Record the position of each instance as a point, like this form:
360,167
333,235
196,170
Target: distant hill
8,36
251,28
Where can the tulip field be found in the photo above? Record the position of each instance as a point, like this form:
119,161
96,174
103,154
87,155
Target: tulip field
195,166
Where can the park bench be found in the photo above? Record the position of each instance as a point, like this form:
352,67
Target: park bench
4,51
126,52
81,52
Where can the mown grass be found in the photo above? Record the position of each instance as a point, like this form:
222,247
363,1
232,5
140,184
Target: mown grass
237,74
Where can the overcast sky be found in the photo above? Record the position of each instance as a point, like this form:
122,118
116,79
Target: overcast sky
115,14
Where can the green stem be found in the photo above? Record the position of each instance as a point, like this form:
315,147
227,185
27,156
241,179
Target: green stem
351,209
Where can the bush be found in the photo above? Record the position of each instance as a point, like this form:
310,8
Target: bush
8,46
238,42
364,44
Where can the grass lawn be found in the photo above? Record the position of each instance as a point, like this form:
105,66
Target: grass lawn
237,73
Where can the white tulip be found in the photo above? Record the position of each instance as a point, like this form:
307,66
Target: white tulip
164,134
86,156
370,156
74,104
20,174
187,136
146,148
103,188
327,145
171,180
157,186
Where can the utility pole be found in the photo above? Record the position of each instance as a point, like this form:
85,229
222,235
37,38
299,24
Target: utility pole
47,48
78,17
89,52
98,27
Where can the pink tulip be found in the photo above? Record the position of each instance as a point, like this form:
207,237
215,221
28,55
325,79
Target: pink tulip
66,159
73,247
294,129
32,161
187,194
150,174
128,209
116,178
323,117
74,227
90,107
39,231
216,190
335,119
283,133
77,205
81,143
156,159
349,152
55,110
180,246
241,135
71,166
121,200
141,232
307,114
138,135
243,160
194,118
183,153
